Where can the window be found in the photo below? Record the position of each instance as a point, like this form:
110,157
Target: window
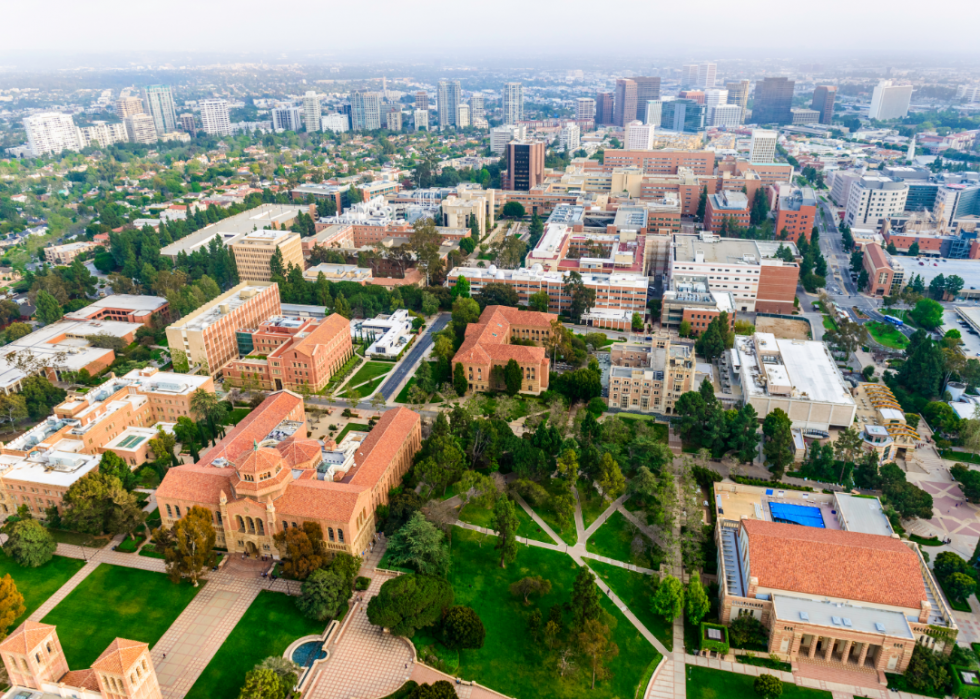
169,513
177,508
340,535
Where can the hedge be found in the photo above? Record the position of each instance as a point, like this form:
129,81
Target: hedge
709,644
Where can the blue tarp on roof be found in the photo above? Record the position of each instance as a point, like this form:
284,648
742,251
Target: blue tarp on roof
796,514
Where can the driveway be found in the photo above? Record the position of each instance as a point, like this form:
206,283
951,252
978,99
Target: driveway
407,364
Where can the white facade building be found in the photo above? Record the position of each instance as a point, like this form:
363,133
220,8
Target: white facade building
654,111
336,122
639,136
890,101
140,128
160,103
570,137
840,185
585,108
421,119
450,95
51,132
726,115
477,108
285,119
102,134
513,105
763,146
706,75
214,117
500,136
311,111
713,97
463,116
871,200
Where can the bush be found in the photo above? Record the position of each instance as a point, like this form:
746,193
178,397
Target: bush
768,686
748,632
362,583
463,628
719,646
410,602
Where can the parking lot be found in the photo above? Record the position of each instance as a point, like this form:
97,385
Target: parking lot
971,342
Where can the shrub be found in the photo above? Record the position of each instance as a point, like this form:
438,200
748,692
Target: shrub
719,646
410,602
362,583
768,686
463,628
747,632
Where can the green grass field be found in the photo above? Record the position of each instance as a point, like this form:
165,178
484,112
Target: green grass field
705,683
829,324
483,517
887,335
511,660
37,584
360,427
370,370
613,540
568,534
271,623
636,590
116,602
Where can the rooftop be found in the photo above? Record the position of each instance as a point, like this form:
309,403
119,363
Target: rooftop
715,249
491,273
213,311
803,368
863,514
137,305
265,216
842,616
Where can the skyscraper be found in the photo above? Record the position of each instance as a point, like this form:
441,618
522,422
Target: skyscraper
160,103
738,94
51,132
128,106
585,108
773,101
286,119
477,109
624,110
513,103
365,110
713,97
689,76
214,117
706,75
763,146
682,115
311,111
463,116
421,100
647,89
525,166
654,112
604,108
890,101
449,99
823,102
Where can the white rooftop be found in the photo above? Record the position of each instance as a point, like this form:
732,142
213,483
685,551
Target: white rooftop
128,302
804,365
492,273
842,616
863,514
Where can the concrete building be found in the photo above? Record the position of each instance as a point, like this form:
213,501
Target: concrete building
387,335
335,122
102,134
604,108
738,95
639,136
140,129
50,133
654,113
160,104
881,423
214,117
668,161
478,108
286,119
647,90
823,102
500,136
421,119
684,115
713,97
124,308
128,106
585,108
449,99
762,148
650,378
624,110
727,115
890,101
312,111
275,216
796,212
691,299
886,276
726,208
525,166
187,124
570,137
463,117
840,185
365,110
513,103
64,254
254,251
333,272
208,335
422,100
805,116
393,119
871,200
706,75
773,100
689,76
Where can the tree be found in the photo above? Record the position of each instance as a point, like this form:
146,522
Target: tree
685,329
15,331
513,377
594,643
424,242
743,433
323,594
301,550
437,690
585,598
512,209
97,503
954,284
30,544
463,628
505,523
937,287
863,279
410,602
668,602
768,686
461,288
460,384
13,408
193,549
778,449
928,314
11,604
532,585
342,307
497,294
636,323
960,586
346,567
698,604
711,343
206,406
113,465
702,203
48,309
538,301
581,298
419,545
262,684
610,477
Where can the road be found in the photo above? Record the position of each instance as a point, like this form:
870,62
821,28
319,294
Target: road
414,355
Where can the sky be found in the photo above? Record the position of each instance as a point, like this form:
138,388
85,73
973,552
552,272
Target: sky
346,30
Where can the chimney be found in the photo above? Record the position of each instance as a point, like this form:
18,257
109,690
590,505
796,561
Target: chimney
753,586
924,611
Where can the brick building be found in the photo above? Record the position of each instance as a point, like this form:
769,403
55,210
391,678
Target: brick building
726,208
662,162
125,308
886,276
254,252
796,212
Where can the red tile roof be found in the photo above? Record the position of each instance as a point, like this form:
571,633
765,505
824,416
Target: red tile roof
26,637
313,499
486,341
255,427
323,334
120,656
834,563
197,483
382,443
81,679
877,255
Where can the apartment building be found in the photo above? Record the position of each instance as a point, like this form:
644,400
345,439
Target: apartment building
208,335
649,378
286,119
64,254
872,200
450,96
513,103
639,136
50,133
890,101
311,110
762,148
886,276
585,108
160,103
128,106
102,134
604,103
796,212
215,119
140,128
254,251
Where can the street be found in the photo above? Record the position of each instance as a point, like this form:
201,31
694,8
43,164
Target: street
408,362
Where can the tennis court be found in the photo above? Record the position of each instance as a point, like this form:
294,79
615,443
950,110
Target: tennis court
796,514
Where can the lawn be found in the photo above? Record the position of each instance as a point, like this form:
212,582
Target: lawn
370,387
143,606
360,427
887,335
613,540
271,623
660,430
636,590
511,660
236,415
483,517
705,683
593,504
440,375
369,371
829,324
65,537
37,584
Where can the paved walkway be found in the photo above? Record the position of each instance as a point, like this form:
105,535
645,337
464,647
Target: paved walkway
423,674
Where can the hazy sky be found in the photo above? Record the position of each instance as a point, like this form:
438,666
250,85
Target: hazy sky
458,30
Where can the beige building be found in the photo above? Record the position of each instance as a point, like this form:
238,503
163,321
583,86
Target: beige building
64,254
140,128
208,335
881,423
128,106
254,250
650,378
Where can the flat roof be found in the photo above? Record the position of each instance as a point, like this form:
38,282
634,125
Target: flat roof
211,312
128,302
969,270
863,514
803,364
491,274
263,216
844,616
726,250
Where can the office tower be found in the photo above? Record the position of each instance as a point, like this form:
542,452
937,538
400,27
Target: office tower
654,112
773,100
500,136
689,76
187,124
393,119
285,119
348,112
585,108
365,111
890,101
639,136
421,100
336,122
513,104
102,134
713,97
647,88
604,108
140,128
823,102
311,111
706,75
738,94
726,115
696,95
214,117
160,103
449,99
525,166
682,115
570,137
624,110
763,146
51,132
477,110
128,106
463,116
421,119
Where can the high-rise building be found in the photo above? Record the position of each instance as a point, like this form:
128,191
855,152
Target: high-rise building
187,124
872,200
393,119
762,148
696,95
421,99
51,132
585,108
689,75
706,75
647,88
160,103
450,95
682,115
463,116
421,119
570,137
624,110
773,100
140,128
128,106
513,103
726,115
738,94
525,166
639,136
311,111
254,250
286,119
214,117
890,101
336,122
102,134
604,108
713,97
500,136
654,112
823,102
365,110
477,107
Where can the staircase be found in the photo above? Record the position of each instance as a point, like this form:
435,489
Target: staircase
926,458
838,672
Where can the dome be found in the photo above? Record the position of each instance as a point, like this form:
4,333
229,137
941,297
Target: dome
492,269
500,274
258,462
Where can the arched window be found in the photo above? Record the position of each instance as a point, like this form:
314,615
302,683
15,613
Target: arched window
340,535
330,533
240,522
132,679
261,527
251,525
37,656
169,512
49,647
177,508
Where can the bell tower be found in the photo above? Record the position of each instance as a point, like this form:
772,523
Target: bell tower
32,655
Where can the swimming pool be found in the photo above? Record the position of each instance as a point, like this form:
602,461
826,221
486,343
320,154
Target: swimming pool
306,653
796,514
